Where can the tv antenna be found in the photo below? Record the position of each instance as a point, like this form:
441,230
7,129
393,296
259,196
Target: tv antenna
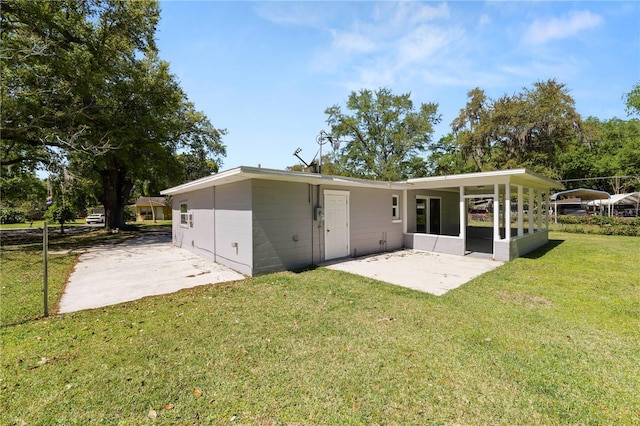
322,139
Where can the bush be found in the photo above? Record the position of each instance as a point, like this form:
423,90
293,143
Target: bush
602,225
59,213
10,215
129,214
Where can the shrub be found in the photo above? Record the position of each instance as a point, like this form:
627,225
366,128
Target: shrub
11,215
61,214
603,225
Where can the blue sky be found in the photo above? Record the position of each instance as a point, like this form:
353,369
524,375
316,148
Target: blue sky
266,71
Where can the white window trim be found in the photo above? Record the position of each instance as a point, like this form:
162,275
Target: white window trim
397,217
186,218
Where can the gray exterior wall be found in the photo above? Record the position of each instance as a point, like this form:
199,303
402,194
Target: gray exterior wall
221,216
260,226
282,226
435,243
286,234
199,237
506,250
233,243
449,206
372,228
527,243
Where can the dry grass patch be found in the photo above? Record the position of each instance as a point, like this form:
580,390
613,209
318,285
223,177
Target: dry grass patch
524,299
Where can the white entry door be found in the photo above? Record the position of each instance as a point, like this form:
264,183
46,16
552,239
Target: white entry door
336,224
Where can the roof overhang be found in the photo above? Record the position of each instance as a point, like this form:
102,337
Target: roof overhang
482,182
245,173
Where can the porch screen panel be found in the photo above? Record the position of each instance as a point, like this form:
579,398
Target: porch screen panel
421,216
434,215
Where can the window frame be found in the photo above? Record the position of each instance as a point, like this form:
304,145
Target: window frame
186,220
395,208
427,206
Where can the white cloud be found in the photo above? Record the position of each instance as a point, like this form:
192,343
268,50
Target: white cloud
540,32
484,21
306,14
411,13
396,42
425,42
353,42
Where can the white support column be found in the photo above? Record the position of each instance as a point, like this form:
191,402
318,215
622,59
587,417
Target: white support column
540,211
530,211
404,211
463,215
520,210
507,211
496,212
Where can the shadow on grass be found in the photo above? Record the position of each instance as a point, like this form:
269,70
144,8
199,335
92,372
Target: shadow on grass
542,251
31,240
304,269
15,323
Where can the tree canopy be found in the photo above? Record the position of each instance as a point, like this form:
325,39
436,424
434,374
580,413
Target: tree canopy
386,138
83,89
632,100
527,129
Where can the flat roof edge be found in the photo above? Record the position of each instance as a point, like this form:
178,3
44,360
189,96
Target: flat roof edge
246,172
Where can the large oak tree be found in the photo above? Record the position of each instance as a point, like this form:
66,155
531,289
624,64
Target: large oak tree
527,129
83,88
386,137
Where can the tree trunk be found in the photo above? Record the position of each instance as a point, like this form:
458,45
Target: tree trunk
116,188
153,210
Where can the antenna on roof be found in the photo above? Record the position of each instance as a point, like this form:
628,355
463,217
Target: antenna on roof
298,151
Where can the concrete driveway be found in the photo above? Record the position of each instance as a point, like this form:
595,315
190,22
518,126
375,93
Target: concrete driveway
434,273
144,266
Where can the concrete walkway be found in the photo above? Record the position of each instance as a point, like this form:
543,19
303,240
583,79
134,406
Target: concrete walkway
144,266
150,265
434,273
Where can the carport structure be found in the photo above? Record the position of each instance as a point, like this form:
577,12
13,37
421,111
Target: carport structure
505,237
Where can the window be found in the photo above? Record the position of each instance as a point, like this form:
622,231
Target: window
428,215
146,213
184,214
395,207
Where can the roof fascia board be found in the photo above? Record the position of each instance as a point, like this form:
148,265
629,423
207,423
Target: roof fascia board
514,176
244,173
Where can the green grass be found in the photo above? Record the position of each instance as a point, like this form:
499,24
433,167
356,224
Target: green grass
548,339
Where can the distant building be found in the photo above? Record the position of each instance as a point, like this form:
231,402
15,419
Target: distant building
146,207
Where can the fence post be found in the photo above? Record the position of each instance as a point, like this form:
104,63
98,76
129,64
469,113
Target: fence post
45,266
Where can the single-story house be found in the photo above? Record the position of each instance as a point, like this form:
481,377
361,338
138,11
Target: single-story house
147,207
258,220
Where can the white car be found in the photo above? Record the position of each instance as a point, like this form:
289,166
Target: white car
95,218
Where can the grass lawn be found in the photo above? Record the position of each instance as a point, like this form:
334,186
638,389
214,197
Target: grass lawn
548,339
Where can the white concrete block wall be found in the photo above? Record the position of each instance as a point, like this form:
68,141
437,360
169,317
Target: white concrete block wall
233,224
282,225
